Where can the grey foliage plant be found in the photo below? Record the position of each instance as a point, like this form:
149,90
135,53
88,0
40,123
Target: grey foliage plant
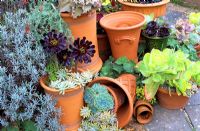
22,62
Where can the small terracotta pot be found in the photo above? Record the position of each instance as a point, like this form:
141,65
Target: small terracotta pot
159,8
197,47
85,25
70,103
126,84
171,102
143,111
104,47
123,29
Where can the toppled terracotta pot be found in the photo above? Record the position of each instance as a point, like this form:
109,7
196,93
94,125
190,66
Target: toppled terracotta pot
104,47
171,102
123,29
143,111
85,26
126,84
158,9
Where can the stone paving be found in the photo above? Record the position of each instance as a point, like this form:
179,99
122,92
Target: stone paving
187,119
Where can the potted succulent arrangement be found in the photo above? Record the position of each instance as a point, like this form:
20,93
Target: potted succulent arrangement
156,34
123,29
158,7
81,19
171,75
66,84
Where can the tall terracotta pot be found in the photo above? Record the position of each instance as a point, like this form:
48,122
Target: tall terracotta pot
123,29
158,9
85,25
171,102
126,84
104,46
71,103
143,111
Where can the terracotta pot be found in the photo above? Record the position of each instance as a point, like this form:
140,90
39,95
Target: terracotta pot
143,111
85,25
104,47
118,96
126,83
123,29
159,8
171,102
71,103
197,47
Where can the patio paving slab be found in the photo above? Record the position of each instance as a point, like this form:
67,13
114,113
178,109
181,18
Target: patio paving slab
194,114
168,120
195,99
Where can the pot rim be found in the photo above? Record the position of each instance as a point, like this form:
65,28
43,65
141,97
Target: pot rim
140,24
42,81
144,5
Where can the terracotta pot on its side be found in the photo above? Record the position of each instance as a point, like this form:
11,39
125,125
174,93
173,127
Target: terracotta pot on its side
125,84
143,111
85,25
171,102
104,47
123,29
197,47
158,9
71,103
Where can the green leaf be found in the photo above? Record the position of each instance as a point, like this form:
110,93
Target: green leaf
194,38
118,68
121,60
129,67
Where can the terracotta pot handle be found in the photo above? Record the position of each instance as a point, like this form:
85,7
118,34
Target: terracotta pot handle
125,38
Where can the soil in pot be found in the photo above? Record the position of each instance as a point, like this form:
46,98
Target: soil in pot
85,26
123,29
171,102
158,9
70,103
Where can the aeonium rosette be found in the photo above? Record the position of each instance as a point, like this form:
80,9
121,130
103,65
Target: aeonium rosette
64,53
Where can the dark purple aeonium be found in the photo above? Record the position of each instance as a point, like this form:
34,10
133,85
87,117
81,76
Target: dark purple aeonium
64,57
82,50
54,42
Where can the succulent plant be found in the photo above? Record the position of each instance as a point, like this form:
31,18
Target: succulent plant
54,42
82,50
153,29
194,18
78,7
100,121
98,98
67,79
85,112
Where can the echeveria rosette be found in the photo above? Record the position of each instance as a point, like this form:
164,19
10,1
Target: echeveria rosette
54,42
82,50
